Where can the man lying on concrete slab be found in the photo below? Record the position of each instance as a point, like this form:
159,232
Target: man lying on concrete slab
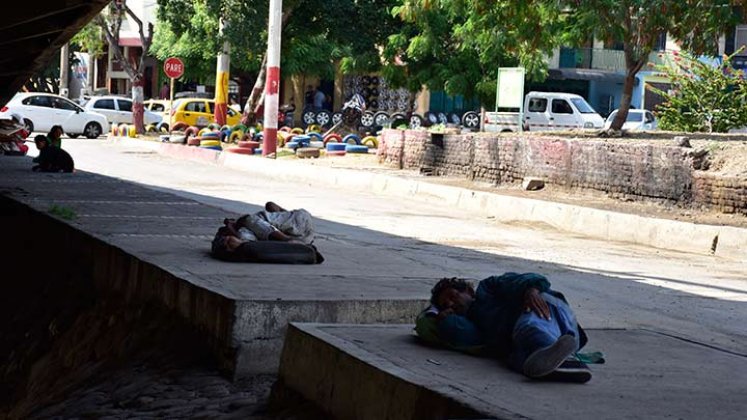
513,315
273,235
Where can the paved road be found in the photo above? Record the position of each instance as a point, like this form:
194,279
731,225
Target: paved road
611,285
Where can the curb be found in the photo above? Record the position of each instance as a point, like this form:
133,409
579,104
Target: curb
723,241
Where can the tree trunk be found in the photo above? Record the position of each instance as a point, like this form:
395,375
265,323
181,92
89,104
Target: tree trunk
138,109
91,73
627,97
250,109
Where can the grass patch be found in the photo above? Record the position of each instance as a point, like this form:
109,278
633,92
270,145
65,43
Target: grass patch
62,212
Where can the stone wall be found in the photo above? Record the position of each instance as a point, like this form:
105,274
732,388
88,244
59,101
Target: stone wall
625,169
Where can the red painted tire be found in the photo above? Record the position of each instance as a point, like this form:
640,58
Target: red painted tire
285,129
335,152
240,150
179,126
332,137
191,132
194,141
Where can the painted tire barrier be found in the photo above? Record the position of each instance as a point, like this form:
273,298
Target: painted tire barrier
211,135
293,145
352,148
131,131
280,140
332,138
239,127
257,151
336,153
307,152
285,129
240,150
191,132
352,139
225,127
193,141
207,143
225,135
202,132
370,141
213,127
217,148
115,131
249,144
178,139
150,128
306,140
179,126
316,136
316,144
336,147
236,135
162,127
297,131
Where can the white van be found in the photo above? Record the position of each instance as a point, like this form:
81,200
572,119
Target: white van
547,111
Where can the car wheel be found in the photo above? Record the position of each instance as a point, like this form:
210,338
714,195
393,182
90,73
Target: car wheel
323,118
92,130
381,118
416,121
430,118
28,125
442,118
73,135
336,117
454,118
309,117
367,119
471,120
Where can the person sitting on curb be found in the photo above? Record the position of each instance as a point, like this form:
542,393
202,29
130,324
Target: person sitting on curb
55,136
274,224
513,315
51,159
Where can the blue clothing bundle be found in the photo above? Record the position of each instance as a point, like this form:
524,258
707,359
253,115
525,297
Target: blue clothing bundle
498,321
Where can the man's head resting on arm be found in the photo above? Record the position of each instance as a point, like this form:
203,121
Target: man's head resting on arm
453,295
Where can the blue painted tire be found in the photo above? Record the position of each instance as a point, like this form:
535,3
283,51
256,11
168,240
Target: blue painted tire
352,148
316,136
218,148
336,147
302,139
257,151
225,135
355,139
211,135
292,145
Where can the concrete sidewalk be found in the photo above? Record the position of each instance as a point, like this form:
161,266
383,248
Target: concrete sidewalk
383,372
725,241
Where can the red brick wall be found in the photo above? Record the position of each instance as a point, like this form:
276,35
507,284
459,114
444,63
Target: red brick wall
630,170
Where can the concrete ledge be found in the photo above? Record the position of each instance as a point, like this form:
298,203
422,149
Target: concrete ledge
381,371
731,242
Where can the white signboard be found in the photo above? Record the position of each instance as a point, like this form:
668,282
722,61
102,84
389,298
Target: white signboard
510,91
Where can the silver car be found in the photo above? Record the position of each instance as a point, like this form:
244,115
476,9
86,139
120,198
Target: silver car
638,120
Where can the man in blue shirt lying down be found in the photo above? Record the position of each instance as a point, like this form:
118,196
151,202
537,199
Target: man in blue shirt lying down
513,315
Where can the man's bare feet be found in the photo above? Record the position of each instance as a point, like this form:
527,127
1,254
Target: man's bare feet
272,207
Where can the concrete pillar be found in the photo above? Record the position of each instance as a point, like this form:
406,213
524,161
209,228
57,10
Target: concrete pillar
272,82
65,70
221,78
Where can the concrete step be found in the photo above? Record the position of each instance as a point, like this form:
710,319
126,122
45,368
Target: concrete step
383,372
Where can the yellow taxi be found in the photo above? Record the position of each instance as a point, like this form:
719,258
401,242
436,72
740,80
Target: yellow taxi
199,112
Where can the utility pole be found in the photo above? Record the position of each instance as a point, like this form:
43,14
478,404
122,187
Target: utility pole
272,84
221,78
65,70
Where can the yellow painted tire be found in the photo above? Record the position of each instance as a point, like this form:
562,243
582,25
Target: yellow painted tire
203,131
131,131
236,136
150,128
370,141
281,140
297,131
313,128
206,143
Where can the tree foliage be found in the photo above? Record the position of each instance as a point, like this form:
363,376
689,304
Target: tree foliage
458,45
703,96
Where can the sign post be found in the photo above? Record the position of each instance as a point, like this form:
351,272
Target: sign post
510,91
174,69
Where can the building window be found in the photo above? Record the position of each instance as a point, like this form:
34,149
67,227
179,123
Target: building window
661,42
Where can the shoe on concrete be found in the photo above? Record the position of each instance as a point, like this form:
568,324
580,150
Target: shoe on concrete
571,370
544,361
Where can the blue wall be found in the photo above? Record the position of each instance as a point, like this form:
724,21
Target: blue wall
598,93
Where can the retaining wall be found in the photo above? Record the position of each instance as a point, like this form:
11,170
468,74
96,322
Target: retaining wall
633,170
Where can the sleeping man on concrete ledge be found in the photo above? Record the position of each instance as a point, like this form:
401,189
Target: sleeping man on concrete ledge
274,235
513,315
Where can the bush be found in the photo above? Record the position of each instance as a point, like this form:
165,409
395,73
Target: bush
704,97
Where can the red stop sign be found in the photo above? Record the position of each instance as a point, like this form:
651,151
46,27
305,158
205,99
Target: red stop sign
173,67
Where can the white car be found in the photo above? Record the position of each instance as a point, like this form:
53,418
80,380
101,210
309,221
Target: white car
118,110
41,111
638,120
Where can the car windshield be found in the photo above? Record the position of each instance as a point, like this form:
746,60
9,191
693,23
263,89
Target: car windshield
583,106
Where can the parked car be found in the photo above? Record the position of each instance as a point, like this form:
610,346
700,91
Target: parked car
638,120
118,110
547,111
199,112
41,111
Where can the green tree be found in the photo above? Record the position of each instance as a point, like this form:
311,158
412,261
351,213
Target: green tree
703,96
637,24
317,35
90,40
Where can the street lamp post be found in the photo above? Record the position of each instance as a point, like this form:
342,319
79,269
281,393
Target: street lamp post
272,84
